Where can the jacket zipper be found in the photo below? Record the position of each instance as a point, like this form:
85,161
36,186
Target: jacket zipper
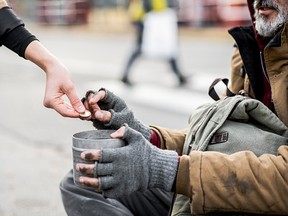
263,67
265,71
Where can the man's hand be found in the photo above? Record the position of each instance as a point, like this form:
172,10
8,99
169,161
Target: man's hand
109,111
134,167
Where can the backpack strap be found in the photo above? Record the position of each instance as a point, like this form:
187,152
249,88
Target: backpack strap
213,94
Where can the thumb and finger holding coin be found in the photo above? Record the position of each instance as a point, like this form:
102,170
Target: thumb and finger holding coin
93,111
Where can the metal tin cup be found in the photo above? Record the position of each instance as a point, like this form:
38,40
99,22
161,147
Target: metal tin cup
94,139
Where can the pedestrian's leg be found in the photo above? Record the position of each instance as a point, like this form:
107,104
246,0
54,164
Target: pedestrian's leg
136,53
127,70
175,69
79,201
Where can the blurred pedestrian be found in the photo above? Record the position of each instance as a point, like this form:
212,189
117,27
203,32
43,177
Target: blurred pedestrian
17,38
138,9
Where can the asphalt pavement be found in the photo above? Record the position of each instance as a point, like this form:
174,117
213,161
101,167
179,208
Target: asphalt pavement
35,142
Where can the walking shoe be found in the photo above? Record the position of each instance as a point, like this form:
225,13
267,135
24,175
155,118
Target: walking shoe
126,81
182,81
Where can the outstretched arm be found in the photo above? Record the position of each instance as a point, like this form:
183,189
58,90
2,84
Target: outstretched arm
17,38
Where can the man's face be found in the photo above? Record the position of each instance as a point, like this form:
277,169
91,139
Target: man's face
269,15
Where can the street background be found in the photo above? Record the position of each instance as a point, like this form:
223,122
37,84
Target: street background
35,142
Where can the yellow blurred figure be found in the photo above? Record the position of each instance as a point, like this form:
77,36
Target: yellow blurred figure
158,5
138,8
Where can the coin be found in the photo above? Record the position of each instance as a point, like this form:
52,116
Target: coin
85,114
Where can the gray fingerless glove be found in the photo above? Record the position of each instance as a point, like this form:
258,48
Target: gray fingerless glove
135,167
120,114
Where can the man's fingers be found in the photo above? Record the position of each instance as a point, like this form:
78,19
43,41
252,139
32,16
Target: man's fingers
85,103
102,116
86,169
95,98
92,99
119,133
89,182
90,155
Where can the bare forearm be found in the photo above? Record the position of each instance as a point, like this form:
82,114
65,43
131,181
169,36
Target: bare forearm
39,55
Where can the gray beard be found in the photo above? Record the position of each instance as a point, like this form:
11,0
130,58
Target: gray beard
267,28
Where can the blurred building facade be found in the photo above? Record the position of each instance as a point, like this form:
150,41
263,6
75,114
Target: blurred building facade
191,13
70,12
201,13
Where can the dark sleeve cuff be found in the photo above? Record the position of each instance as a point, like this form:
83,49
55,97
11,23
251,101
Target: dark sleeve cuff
18,40
8,22
13,34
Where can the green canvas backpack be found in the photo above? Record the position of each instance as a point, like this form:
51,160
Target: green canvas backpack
234,123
